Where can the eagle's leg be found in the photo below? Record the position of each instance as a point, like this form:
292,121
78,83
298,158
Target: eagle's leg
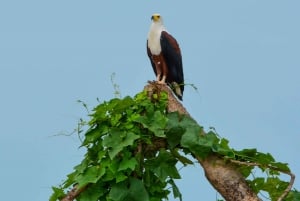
158,67
164,70
158,77
163,80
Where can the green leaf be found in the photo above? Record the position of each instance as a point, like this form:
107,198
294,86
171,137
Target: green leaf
118,192
92,193
137,191
132,191
178,125
174,119
182,159
70,180
263,158
281,166
176,191
114,165
293,195
120,176
115,119
100,114
246,153
91,175
58,193
174,135
155,122
245,170
123,104
91,135
187,122
117,140
128,164
199,145
275,187
222,148
257,184
164,166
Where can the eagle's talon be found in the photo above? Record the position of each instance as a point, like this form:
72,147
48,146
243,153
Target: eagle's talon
160,82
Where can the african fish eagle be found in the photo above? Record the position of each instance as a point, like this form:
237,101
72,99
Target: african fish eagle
165,56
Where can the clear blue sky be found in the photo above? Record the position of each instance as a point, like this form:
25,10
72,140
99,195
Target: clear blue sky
244,57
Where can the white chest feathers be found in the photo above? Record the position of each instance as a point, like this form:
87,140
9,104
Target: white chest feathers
154,38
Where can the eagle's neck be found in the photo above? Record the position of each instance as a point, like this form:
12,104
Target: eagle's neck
154,37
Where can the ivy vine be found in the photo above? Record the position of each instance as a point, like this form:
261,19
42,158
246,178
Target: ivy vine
133,146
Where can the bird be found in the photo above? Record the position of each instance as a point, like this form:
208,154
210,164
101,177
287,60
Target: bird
165,56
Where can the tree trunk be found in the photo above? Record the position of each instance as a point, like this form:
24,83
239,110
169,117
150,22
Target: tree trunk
226,179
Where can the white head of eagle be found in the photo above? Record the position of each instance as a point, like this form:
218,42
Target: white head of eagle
165,56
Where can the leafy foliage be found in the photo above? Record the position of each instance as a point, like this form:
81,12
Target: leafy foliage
133,146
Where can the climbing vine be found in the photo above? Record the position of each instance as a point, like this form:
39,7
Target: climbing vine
133,146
